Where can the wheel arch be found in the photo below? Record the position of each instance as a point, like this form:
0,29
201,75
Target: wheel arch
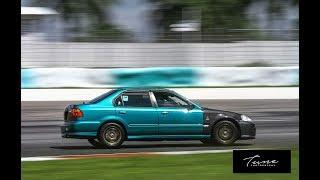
114,121
235,122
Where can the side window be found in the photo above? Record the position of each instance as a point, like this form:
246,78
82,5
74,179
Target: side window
136,99
118,101
165,99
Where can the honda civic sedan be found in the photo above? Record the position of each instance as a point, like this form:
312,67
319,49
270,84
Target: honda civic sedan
151,114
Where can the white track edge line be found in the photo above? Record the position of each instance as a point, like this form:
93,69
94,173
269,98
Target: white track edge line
48,158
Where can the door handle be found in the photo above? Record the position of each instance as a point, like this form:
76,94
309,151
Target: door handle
122,112
164,112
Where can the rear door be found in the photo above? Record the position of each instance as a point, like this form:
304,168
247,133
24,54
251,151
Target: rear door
175,116
137,110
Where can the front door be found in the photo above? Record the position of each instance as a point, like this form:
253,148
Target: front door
175,115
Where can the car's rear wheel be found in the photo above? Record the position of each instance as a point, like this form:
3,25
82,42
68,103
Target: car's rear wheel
95,143
225,133
111,135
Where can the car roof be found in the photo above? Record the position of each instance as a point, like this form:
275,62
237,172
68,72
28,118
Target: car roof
144,89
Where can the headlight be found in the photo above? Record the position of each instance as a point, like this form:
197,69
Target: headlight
245,118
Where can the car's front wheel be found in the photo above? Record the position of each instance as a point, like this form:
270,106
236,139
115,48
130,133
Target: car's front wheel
225,133
111,135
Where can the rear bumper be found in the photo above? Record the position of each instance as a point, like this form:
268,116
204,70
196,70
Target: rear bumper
247,130
71,130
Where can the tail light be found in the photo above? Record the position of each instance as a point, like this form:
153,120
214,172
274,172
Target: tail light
76,113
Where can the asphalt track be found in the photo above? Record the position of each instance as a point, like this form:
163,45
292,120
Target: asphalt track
277,124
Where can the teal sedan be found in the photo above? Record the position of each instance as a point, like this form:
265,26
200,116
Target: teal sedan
151,114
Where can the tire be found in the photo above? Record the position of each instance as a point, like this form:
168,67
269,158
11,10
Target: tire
225,133
111,135
95,143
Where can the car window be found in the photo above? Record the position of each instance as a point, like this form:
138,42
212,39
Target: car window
102,97
118,101
135,100
166,99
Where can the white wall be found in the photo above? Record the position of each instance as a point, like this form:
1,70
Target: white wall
56,54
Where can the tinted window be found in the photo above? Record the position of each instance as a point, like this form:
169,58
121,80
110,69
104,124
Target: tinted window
166,99
118,101
136,99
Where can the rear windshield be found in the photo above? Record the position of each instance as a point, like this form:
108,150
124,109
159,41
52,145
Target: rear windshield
101,97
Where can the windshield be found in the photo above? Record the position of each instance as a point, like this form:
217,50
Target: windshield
101,97
191,102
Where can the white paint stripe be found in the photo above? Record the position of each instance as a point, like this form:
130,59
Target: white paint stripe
191,93
40,158
240,93
193,152
47,158
201,151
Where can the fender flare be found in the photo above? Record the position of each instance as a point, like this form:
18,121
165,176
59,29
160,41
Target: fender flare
114,120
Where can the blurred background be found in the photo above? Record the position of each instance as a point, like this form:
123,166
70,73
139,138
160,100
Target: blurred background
149,33
74,50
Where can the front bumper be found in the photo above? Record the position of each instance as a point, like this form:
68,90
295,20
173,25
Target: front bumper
247,130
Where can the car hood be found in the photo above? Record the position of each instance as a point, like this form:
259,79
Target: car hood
227,113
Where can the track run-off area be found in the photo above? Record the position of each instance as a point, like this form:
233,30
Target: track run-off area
277,122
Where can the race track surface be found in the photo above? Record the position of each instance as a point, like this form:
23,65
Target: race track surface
277,124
